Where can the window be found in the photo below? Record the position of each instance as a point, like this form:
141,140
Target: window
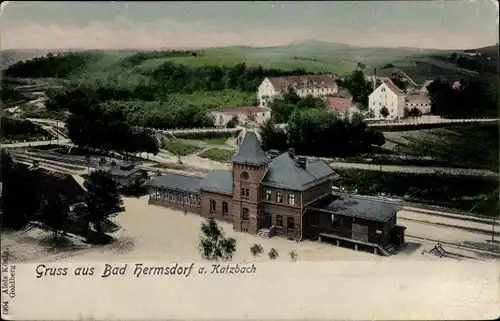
383,90
268,194
245,215
291,199
244,175
290,224
186,199
245,193
225,208
279,197
212,206
279,221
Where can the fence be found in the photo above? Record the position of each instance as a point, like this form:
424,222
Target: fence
378,123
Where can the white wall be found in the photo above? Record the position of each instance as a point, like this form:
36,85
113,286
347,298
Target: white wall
222,118
425,108
383,96
265,89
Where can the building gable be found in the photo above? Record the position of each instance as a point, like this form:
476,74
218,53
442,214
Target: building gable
266,85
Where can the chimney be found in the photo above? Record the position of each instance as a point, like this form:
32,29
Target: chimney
291,152
302,161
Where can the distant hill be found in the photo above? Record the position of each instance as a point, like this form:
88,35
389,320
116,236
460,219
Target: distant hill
313,56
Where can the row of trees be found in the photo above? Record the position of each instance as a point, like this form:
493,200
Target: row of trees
313,130
473,98
166,78
51,66
174,77
89,125
140,57
119,103
32,197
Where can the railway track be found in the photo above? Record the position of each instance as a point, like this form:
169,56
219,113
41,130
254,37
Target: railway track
456,245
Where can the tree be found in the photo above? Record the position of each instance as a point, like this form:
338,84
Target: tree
293,255
290,96
213,244
272,136
415,112
19,199
233,122
384,112
256,250
406,112
53,213
273,254
359,88
103,198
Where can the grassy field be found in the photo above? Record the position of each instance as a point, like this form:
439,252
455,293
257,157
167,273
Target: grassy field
472,146
217,154
313,56
180,148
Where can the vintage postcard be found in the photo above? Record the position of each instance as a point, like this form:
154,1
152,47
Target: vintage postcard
329,160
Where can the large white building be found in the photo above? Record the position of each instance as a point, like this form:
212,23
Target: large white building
315,85
389,96
245,115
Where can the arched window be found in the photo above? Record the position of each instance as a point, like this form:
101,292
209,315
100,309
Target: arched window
225,208
245,216
212,205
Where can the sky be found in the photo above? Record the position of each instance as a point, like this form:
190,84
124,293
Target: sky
191,24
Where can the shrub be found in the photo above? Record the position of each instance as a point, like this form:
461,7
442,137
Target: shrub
273,254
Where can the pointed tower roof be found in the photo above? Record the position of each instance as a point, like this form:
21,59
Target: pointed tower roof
250,151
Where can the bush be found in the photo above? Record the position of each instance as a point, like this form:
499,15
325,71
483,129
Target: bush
256,250
273,254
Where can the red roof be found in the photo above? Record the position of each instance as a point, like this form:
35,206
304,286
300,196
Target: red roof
338,104
246,110
306,81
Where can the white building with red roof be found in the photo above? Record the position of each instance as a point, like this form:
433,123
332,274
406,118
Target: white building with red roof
245,115
389,96
315,85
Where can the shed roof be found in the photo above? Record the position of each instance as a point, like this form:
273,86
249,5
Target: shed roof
285,172
357,207
250,151
218,181
184,183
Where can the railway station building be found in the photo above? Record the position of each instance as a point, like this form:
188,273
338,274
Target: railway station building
284,195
